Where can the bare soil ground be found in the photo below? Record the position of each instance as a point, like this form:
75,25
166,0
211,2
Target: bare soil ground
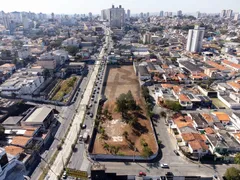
120,80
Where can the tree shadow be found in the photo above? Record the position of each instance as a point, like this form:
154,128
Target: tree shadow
142,129
141,116
153,165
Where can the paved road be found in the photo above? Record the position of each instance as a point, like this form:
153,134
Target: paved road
65,116
79,117
79,159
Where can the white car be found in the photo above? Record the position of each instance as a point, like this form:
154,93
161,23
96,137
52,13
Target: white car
164,166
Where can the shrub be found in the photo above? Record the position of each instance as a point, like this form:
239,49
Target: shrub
59,147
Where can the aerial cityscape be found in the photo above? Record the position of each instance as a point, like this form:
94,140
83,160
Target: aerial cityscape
116,95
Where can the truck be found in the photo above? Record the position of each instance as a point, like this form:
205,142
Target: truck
86,135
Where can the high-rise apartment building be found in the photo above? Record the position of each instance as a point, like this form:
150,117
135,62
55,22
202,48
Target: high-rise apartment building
147,38
128,14
198,14
141,15
179,13
236,17
195,37
161,13
115,16
223,13
229,13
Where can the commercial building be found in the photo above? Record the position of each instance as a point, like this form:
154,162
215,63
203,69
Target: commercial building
115,16
195,37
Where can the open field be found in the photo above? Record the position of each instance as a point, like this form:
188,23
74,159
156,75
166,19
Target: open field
122,79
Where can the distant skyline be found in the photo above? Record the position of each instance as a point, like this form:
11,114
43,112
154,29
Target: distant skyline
136,6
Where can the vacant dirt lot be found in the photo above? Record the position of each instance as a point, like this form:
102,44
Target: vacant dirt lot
120,80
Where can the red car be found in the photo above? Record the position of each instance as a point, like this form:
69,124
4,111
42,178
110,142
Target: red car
142,173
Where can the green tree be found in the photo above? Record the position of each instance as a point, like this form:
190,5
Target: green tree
72,50
122,105
146,152
237,158
163,114
173,105
232,173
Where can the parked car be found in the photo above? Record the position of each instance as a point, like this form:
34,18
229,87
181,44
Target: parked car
64,175
80,137
83,126
169,174
142,173
164,166
176,152
91,115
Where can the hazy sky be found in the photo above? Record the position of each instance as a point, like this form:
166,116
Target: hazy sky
136,6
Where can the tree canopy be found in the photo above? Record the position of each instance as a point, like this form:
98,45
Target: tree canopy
125,103
232,173
72,50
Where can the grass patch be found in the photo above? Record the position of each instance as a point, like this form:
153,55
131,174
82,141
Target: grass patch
65,88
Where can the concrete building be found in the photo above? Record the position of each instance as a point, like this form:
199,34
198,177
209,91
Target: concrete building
47,61
229,13
10,167
223,13
128,14
147,38
26,23
195,37
198,14
115,16
179,13
236,17
161,13
21,83
141,15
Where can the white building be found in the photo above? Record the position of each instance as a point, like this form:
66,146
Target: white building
115,16
128,14
24,53
229,13
195,37
236,17
26,23
147,38
71,42
223,13
21,83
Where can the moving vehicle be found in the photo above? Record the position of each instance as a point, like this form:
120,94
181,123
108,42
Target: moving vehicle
80,137
85,136
164,165
83,126
142,173
176,152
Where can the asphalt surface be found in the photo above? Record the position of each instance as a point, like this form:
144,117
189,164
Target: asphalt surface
65,115
79,159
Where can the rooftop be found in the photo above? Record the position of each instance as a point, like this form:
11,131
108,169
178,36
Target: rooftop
20,140
13,150
39,115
